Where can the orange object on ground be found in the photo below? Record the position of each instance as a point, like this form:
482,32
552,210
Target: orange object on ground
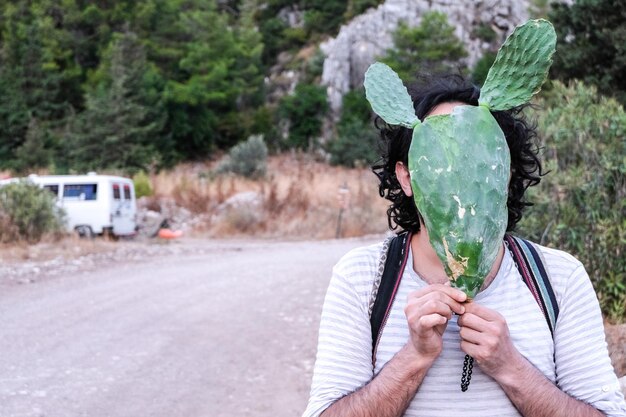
170,234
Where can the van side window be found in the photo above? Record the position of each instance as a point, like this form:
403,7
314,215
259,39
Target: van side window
116,192
126,192
53,188
80,192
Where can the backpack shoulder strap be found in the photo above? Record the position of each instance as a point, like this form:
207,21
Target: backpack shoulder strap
531,266
383,293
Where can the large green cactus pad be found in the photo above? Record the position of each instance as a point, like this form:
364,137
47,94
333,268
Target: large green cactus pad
388,96
459,165
521,66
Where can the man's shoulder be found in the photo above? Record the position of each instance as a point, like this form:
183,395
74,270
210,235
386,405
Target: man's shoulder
562,267
354,274
558,260
362,256
360,263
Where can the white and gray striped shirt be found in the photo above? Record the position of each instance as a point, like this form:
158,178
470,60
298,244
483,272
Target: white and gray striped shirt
576,359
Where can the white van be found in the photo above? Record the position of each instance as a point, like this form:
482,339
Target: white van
94,204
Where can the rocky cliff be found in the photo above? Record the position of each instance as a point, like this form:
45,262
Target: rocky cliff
369,35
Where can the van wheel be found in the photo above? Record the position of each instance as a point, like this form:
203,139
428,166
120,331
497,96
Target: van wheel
108,234
84,232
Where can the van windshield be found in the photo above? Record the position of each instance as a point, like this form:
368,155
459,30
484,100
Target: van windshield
53,188
80,192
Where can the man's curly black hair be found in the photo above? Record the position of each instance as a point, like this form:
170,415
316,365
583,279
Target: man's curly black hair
526,170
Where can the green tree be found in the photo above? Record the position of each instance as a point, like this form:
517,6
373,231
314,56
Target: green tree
249,52
35,152
116,130
14,116
202,83
304,110
30,75
273,32
323,16
357,140
219,74
591,44
430,47
276,33
581,204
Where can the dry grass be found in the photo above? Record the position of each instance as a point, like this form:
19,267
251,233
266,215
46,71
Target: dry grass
299,198
69,247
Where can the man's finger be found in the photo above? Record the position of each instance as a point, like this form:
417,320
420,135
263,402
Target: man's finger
419,308
483,312
423,295
454,293
472,321
470,335
430,321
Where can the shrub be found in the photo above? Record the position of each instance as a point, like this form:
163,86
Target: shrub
484,32
304,110
355,106
314,67
355,145
295,36
28,212
143,187
581,205
356,7
481,69
248,159
357,140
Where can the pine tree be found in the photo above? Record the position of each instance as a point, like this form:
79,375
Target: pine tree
34,152
430,47
30,76
115,131
218,74
14,116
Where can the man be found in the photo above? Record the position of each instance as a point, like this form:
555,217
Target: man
521,369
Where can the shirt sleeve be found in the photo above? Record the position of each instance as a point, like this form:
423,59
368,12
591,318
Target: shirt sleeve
344,350
583,366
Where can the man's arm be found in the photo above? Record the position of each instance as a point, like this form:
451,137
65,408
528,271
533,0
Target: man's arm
391,391
534,395
485,337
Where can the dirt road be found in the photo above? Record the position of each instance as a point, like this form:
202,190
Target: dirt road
230,332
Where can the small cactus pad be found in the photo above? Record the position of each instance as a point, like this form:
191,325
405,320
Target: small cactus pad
388,96
521,66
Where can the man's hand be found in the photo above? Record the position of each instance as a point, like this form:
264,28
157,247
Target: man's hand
427,312
391,391
485,337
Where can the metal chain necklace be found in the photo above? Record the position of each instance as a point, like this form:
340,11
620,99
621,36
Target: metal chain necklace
466,376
